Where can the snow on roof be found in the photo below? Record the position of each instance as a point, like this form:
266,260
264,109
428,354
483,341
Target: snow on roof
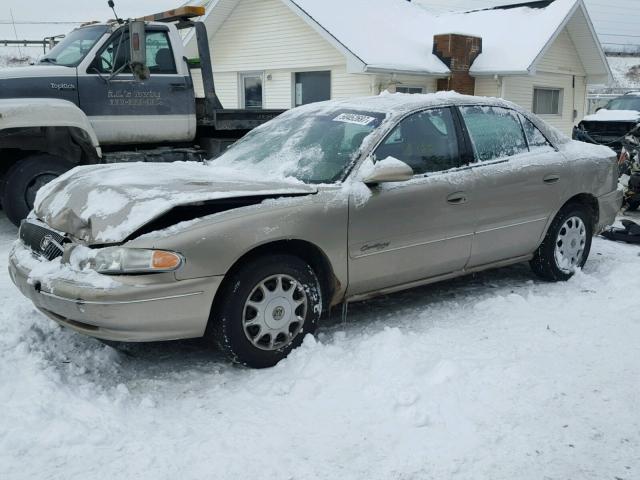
397,35
626,71
511,39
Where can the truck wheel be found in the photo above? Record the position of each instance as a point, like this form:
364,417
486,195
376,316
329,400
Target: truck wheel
566,246
267,307
24,179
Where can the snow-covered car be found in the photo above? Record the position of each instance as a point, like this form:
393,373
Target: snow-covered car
608,125
331,202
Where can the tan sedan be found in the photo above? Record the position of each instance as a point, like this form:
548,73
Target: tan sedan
330,202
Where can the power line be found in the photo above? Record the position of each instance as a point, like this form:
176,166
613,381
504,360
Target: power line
9,22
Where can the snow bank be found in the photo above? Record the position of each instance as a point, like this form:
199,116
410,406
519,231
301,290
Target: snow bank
493,376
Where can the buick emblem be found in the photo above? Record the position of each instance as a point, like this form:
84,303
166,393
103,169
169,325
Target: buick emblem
278,313
45,242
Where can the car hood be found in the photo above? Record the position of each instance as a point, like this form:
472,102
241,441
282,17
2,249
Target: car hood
604,115
38,71
101,204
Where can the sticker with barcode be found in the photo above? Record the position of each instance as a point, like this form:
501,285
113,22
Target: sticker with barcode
354,118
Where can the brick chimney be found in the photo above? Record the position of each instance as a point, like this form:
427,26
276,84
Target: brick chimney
457,52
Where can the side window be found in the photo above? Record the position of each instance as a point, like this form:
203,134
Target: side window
159,55
495,132
114,55
535,138
426,141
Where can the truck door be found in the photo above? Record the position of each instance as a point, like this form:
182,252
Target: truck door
125,111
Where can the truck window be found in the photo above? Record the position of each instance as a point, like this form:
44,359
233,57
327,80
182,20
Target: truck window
116,55
159,54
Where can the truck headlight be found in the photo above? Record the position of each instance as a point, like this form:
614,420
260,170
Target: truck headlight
122,261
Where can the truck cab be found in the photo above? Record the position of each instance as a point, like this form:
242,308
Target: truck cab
112,91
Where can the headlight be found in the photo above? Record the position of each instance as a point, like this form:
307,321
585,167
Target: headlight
120,261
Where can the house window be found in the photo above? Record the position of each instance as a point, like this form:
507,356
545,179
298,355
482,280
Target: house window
409,90
547,101
251,90
312,87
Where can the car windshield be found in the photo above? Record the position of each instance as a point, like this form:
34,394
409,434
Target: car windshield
75,46
312,144
628,102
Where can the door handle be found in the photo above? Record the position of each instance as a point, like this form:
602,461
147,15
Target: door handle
551,178
178,86
457,198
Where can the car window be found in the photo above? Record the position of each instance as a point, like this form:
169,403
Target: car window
535,138
426,141
495,132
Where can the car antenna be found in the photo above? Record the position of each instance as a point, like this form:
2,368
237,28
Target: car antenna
113,7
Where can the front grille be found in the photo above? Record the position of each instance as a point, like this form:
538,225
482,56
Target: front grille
42,240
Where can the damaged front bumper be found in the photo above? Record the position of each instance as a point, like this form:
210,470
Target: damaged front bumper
138,308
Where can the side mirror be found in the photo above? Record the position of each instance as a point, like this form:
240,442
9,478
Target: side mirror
389,170
138,45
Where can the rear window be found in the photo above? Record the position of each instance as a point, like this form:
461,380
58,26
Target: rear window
495,132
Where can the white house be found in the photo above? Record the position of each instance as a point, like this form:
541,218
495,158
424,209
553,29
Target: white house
283,53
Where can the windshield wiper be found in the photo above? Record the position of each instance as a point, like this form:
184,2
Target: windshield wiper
48,60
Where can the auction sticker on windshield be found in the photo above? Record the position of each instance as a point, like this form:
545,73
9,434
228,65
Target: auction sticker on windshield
354,118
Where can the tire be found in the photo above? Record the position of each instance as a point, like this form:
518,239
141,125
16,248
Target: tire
571,228
23,180
259,299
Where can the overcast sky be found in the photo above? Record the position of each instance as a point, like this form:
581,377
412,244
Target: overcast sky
616,21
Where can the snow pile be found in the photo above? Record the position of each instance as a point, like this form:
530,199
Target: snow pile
493,376
604,115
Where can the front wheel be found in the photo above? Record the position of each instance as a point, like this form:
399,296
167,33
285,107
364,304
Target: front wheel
266,308
566,246
24,179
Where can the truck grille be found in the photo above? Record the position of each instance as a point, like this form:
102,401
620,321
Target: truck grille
42,240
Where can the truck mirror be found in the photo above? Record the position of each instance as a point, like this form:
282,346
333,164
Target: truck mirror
138,43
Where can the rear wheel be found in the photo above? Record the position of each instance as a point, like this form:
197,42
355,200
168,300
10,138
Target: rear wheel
267,307
24,179
566,246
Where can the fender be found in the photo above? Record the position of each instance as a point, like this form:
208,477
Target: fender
47,112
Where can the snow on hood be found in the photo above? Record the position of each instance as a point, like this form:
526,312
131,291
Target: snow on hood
107,203
604,115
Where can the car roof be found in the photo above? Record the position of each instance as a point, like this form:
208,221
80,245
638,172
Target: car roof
395,105
399,103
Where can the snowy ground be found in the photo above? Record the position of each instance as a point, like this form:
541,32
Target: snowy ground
497,376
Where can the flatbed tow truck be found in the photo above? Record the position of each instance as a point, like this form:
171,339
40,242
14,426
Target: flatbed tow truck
117,91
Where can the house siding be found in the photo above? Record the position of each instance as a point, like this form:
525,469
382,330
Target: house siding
556,69
266,36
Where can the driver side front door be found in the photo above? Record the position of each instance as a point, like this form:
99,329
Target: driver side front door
409,231
125,111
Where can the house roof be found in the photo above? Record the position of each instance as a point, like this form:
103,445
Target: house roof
397,36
